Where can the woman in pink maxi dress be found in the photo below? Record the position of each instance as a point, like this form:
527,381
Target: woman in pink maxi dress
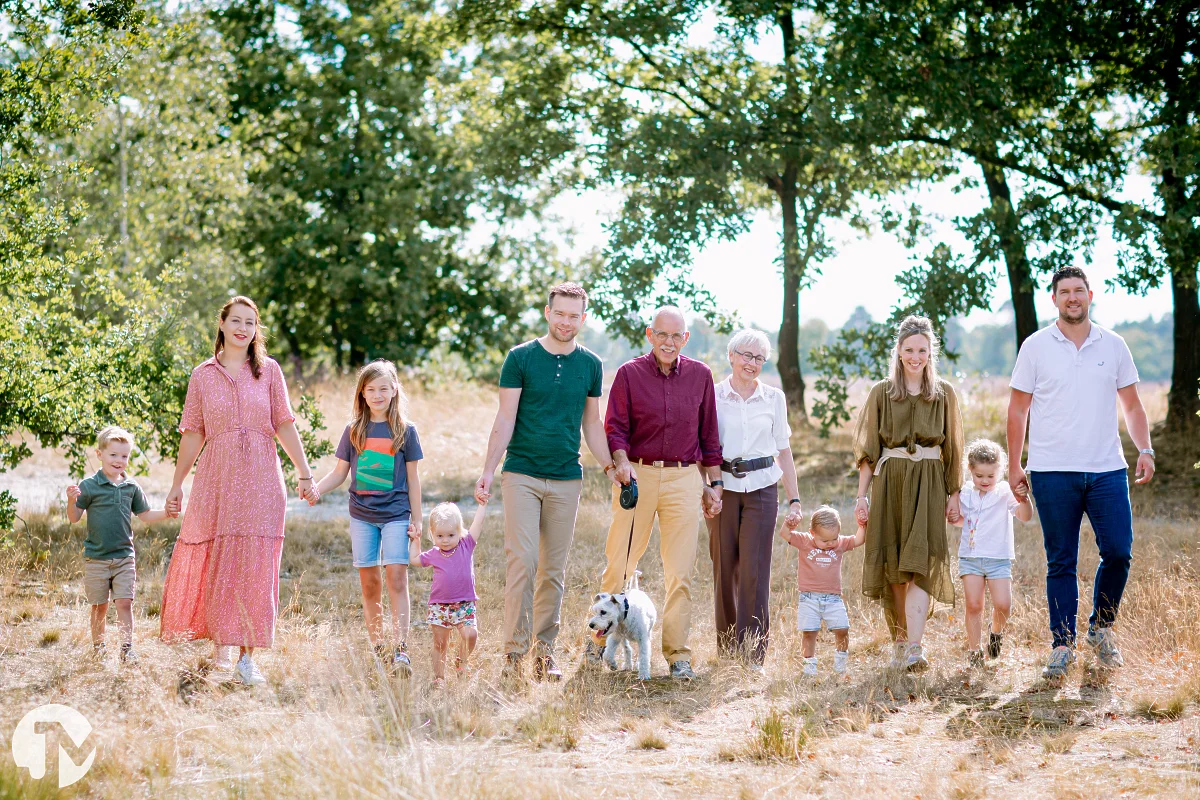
223,580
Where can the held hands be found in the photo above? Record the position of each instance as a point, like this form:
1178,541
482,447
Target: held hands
308,490
953,510
174,504
711,501
414,531
1145,468
862,510
483,487
1019,483
794,516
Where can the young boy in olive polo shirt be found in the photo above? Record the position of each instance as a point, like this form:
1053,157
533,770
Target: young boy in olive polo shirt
108,498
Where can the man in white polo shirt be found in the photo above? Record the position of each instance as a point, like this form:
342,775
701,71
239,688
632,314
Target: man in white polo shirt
1066,384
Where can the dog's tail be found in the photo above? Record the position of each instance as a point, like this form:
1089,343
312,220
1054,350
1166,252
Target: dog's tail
632,582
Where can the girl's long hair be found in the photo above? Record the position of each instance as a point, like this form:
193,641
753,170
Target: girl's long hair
931,387
397,412
257,350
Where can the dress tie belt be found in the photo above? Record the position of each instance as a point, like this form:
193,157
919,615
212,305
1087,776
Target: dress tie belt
243,436
919,453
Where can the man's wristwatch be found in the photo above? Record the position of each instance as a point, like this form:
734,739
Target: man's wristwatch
716,484
1149,451
795,500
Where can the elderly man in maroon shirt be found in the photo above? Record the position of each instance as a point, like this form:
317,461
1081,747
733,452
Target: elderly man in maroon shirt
662,431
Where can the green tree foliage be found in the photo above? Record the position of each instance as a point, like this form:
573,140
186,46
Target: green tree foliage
984,85
941,288
396,178
699,131
64,373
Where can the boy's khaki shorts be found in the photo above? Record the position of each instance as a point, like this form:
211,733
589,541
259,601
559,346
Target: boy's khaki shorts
116,576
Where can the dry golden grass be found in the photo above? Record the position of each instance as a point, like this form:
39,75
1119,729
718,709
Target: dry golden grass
330,723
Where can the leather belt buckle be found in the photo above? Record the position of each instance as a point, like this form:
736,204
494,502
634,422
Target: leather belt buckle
736,468
657,463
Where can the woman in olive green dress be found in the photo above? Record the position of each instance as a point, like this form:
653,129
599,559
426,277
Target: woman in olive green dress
909,439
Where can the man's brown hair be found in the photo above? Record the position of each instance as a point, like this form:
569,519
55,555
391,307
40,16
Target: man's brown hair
1068,272
568,289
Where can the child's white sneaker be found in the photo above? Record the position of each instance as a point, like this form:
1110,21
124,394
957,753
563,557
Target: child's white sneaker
840,659
810,667
248,673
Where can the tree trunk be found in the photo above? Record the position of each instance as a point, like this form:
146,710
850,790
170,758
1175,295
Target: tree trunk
785,187
1012,243
789,330
1182,399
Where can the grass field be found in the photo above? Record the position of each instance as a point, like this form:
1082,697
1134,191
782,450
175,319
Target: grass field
329,723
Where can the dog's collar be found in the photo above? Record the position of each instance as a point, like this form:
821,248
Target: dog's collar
626,607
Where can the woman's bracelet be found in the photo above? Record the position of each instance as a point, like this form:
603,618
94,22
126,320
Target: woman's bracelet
309,478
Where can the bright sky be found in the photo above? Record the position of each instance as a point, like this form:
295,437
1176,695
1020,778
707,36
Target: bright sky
745,278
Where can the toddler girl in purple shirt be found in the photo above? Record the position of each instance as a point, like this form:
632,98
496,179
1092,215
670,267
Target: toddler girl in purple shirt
452,595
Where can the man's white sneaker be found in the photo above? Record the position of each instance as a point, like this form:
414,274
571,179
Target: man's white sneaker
810,667
840,659
248,673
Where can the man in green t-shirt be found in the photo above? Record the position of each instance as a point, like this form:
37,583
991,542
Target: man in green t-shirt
549,388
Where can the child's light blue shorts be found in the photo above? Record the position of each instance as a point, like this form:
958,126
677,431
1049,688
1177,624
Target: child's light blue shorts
375,545
818,607
990,568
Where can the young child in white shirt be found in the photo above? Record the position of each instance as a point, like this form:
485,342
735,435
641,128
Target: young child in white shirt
986,552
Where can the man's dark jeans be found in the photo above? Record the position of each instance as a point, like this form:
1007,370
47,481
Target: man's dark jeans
1062,499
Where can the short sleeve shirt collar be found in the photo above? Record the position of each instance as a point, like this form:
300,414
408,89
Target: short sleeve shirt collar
1094,334
725,391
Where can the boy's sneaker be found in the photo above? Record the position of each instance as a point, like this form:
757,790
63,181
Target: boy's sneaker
401,663
897,661
682,671
128,654
810,667
247,672
914,658
1060,661
994,641
840,659
1105,644
975,658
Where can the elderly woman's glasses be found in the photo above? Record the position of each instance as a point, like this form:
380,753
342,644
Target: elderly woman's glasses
750,358
673,338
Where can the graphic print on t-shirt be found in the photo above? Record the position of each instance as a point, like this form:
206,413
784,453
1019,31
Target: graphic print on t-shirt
824,558
376,467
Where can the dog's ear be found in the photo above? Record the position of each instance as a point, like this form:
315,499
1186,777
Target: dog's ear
612,598
598,597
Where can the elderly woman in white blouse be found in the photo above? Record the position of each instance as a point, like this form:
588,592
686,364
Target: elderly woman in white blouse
756,452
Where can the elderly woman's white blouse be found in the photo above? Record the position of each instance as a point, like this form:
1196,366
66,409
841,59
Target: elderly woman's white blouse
752,429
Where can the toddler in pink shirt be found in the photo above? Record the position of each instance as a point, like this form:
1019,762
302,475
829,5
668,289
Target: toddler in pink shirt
452,594
820,583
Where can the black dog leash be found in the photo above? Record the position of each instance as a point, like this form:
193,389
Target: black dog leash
628,500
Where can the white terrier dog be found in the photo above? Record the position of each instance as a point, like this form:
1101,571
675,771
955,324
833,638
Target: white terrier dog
624,618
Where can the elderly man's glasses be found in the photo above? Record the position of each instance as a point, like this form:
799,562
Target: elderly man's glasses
750,358
673,338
